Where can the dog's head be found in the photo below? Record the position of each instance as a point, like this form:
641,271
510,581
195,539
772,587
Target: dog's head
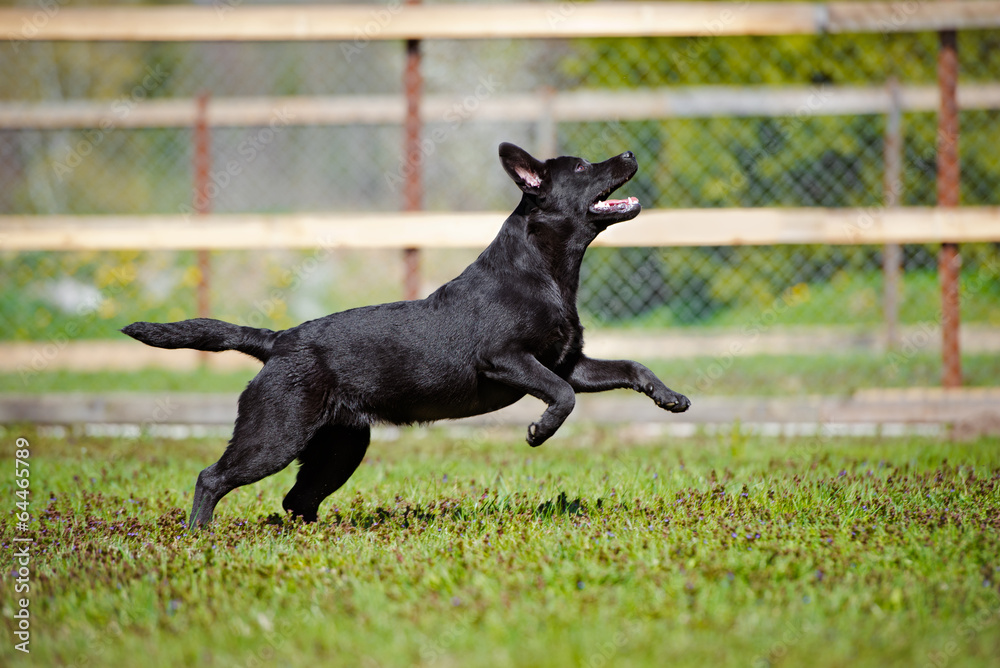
572,188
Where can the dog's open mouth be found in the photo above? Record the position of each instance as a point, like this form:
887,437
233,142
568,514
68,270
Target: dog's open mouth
603,206
614,205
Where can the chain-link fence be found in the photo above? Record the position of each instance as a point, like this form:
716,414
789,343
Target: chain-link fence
715,121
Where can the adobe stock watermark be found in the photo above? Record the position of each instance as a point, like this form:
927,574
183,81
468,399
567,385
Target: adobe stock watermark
118,112
45,353
607,652
454,117
696,47
970,627
791,635
711,29
867,216
561,13
816,99
264,309
902,12
605,142
380,18
435,651
164,408
928,332
279,635
21,567
707,376
223,7
32,25
252,147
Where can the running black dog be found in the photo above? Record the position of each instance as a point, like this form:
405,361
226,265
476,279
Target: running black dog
506,327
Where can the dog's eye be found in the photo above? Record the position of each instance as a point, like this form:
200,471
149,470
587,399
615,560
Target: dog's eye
581,167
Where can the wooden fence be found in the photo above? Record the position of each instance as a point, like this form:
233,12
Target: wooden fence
224,21
656,227
542,107
414,22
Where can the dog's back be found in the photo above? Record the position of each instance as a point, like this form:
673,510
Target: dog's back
422,360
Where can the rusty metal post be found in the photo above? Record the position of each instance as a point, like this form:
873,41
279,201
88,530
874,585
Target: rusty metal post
949,177
203,201
413,166
893,191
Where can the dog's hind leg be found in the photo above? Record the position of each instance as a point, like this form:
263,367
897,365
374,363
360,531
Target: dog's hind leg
332,456
273,427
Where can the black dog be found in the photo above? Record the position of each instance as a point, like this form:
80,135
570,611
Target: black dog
506,327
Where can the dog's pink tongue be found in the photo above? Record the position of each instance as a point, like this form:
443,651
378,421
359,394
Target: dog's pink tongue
615,204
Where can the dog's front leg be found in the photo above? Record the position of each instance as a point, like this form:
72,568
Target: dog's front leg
528,375
590,375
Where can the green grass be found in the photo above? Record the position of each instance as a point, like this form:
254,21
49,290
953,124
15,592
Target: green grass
478,551
752,375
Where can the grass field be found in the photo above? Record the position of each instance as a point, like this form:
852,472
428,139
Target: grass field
471,549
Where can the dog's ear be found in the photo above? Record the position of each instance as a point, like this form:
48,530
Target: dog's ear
529,174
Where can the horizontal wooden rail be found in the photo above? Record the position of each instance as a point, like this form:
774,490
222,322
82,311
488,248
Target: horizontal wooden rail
971,407
224,21
656,227
117,352
570,106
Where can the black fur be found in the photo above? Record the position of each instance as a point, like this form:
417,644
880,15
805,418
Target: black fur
506,327
205,334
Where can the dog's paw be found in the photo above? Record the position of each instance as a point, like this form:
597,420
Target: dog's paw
536,435
669,400
680,404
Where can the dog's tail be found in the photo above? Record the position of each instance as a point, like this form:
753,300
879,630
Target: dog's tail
205,334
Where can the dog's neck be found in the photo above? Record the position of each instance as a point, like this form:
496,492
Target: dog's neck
552,250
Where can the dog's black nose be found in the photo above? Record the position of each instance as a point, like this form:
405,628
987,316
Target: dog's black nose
628,155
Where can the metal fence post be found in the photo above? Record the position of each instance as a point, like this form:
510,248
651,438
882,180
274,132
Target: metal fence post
893,192
949,260
413,186
203,202
546,139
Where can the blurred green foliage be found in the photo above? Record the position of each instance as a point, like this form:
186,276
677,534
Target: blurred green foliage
808,160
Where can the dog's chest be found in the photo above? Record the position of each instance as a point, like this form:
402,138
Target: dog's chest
563,341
